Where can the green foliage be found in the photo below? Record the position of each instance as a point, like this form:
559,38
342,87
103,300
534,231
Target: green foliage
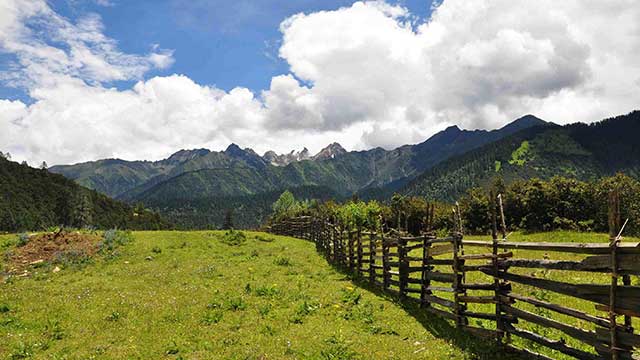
521,155
72,259
23,239
234,238
113,238
557,204
475,207
282,261
228,220
356,215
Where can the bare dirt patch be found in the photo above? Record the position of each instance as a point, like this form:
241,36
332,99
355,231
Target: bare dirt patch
50,247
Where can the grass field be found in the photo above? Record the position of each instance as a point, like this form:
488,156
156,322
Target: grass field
189,295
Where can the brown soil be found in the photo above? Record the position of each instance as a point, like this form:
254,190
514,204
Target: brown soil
43,248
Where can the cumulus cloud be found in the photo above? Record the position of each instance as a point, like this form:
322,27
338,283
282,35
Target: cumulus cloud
365,75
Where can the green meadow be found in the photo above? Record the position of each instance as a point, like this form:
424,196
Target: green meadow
199,295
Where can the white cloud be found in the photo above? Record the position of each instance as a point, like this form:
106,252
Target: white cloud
365,75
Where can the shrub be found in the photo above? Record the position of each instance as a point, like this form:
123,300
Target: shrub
114,316
114,238
305,308
561,223
266,291
234,238
72,258
212,317
282,261
264,310
236,304
23,239
350,296
264,238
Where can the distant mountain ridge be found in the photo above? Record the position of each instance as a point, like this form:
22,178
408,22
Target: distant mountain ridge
585,152
236,173
333,166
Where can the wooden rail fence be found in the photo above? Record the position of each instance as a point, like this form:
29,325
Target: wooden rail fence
492,284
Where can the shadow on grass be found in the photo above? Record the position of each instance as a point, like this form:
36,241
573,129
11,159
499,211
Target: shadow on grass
474,346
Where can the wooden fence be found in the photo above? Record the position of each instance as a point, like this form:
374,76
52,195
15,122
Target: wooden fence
470,280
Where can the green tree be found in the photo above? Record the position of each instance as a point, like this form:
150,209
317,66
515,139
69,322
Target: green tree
285,205
228,220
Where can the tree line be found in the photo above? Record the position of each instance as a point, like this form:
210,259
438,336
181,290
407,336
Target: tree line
532,205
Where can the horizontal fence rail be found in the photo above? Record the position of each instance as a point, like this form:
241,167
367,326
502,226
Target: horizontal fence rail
472,282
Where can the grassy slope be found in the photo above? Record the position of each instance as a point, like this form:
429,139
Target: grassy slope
129,307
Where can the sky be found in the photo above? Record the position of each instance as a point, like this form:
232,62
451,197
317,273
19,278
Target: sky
82,80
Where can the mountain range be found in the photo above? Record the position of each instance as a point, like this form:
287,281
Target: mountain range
236,171
204,184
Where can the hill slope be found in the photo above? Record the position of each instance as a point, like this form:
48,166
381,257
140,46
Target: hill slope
34,199
579,151
198,298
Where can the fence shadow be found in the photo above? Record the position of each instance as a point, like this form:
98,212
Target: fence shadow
475,347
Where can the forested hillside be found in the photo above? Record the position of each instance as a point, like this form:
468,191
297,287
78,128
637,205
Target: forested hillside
248,211
578,151
35,199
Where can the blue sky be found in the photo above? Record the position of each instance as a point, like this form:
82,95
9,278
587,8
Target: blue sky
141,79
216,42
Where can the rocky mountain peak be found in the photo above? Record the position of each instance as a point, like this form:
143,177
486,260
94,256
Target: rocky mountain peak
273,158
330,152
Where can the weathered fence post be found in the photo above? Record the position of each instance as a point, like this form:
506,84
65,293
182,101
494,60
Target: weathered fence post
614,223
359,251
372,258
386,267
494,262
351,256
458,270
403,267
426,269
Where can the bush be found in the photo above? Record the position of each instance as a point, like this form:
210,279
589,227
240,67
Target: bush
72,258
282,261
264,238
234,238
561,223
212,317
23,239
114,238
236,304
